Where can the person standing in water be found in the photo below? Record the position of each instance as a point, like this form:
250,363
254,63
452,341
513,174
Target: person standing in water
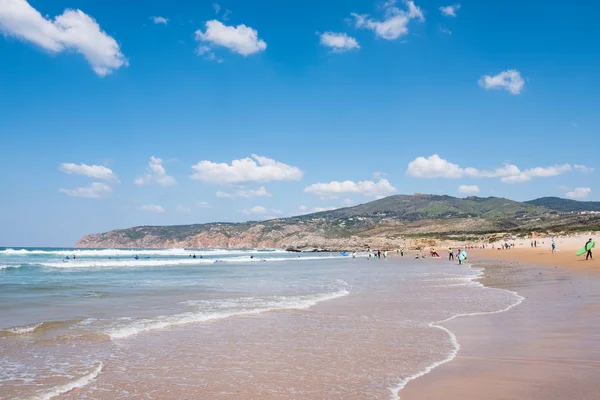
450,254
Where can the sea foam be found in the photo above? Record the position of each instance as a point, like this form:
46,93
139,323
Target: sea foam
116,263
219,309
78,383
131,252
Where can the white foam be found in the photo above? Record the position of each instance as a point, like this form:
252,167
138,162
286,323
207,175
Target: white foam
9,266
131,252
78,383
395,391
219,309
21,330
172,262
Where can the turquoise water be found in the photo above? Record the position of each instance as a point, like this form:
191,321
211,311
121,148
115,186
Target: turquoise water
103,324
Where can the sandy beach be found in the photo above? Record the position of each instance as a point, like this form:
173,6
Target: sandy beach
546,348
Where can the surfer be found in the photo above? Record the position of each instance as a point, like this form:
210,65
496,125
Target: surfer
194,256
137,257
588,246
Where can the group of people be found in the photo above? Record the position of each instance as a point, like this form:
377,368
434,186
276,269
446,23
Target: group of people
376,254
459,254
194,256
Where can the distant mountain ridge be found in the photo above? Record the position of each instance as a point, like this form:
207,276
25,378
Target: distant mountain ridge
394,221
565,205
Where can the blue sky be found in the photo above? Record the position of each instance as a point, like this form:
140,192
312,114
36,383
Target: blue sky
339,101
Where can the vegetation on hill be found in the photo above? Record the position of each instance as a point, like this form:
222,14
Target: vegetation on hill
390,219
565,205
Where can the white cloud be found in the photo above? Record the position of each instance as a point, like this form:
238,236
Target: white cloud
224,195
203,204
433,167
259,210
155,173
538,172
366,188
445,30
183,209
160,20
73,30
437,167
450,11
152,208
321,209
208,54
255,210
509,80
246,193
583,169
92,191
339,42
254,169
240,39
349,202
468,189
91,171
260,192
216,7
578,193
395,23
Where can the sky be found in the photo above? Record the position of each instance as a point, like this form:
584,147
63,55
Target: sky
116,114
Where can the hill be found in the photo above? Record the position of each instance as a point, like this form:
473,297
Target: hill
394,221
565,205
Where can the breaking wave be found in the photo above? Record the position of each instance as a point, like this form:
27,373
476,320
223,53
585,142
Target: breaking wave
131,252
172,262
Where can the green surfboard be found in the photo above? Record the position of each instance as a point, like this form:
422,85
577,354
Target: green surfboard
584,249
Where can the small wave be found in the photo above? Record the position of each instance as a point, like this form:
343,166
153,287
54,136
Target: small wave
132,252
220,309
76,384
24,329
35,328
173,262
9,266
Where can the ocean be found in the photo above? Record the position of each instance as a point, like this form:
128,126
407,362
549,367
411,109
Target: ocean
228,324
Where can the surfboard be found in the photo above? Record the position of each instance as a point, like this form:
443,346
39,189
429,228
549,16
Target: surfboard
584,249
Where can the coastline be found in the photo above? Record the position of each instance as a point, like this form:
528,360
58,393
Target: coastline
546,348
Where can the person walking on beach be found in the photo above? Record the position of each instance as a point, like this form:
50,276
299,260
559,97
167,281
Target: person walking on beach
588,246
450,255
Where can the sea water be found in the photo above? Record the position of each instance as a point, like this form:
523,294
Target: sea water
227,324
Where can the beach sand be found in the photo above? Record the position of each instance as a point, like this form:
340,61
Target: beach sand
546,348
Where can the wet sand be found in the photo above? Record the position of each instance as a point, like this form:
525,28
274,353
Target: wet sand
546,348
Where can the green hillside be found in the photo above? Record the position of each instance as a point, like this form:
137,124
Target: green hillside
565,205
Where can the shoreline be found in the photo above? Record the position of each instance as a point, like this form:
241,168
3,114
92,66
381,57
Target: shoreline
520,354
396,391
